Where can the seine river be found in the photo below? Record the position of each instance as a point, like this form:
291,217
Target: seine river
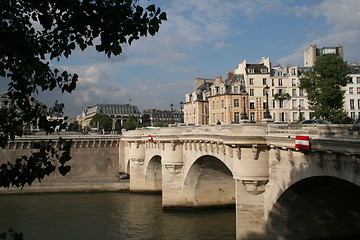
109,216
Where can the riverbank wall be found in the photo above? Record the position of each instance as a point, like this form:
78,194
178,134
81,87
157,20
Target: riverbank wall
94,164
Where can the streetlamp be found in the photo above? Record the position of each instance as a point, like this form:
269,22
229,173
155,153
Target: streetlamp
299,118
244,115
267,112
172,116
181,112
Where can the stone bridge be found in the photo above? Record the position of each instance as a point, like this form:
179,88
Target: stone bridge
280,192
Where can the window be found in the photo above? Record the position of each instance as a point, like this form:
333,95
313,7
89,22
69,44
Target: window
293,82
294,92
252,116
251,70
252,105
293,71
301,92
222,117
351,91
301,102
264,92
264,105
236,89
236,116
273,103
213,104
263,70
352,115
358,80
359,105
358,90
222,103
236,102
280,82
272,82
282,117
251,92
351,80
281,103
213,118
293,104
251,81
352,104
264,81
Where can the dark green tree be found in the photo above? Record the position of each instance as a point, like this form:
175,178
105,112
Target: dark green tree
131,123
101,121
74,126
323,85
33,34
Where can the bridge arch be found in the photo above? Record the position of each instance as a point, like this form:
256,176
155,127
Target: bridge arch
153,174
317,207
209,182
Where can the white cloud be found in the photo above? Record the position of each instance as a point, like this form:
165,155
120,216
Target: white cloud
343,16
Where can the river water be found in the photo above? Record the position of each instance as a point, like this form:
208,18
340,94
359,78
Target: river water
109,216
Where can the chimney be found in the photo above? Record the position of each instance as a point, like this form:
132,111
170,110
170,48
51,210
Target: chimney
230,75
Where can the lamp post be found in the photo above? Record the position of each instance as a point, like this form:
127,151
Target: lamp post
299,118
172,116
244,115
181,112
267,112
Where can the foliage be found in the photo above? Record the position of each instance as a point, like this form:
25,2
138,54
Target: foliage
42,163
11,235
131,123
324,87
160,124
56,110
101,121
281,95
74,126
34,33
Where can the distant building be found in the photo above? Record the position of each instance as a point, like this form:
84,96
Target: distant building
312,53
352,92
118,112
152,117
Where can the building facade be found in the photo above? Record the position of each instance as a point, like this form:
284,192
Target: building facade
352,92
161,117
244,95
118,112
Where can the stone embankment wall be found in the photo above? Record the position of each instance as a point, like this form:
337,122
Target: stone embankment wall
94,164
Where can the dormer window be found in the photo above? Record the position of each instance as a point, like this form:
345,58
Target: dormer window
263,70
251,70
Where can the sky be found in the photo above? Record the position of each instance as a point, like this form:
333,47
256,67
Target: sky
206,39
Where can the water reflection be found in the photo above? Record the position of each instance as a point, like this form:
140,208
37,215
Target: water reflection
109,216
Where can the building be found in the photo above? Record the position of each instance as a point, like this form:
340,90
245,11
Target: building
118,112
313,52
196,106
161,117
352,92
244,94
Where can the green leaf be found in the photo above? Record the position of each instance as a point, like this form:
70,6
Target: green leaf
64,169
151,8
163,16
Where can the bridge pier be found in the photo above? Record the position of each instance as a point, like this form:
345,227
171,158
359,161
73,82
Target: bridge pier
250,218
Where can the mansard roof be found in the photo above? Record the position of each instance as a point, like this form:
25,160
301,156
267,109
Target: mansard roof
354,69
257,68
